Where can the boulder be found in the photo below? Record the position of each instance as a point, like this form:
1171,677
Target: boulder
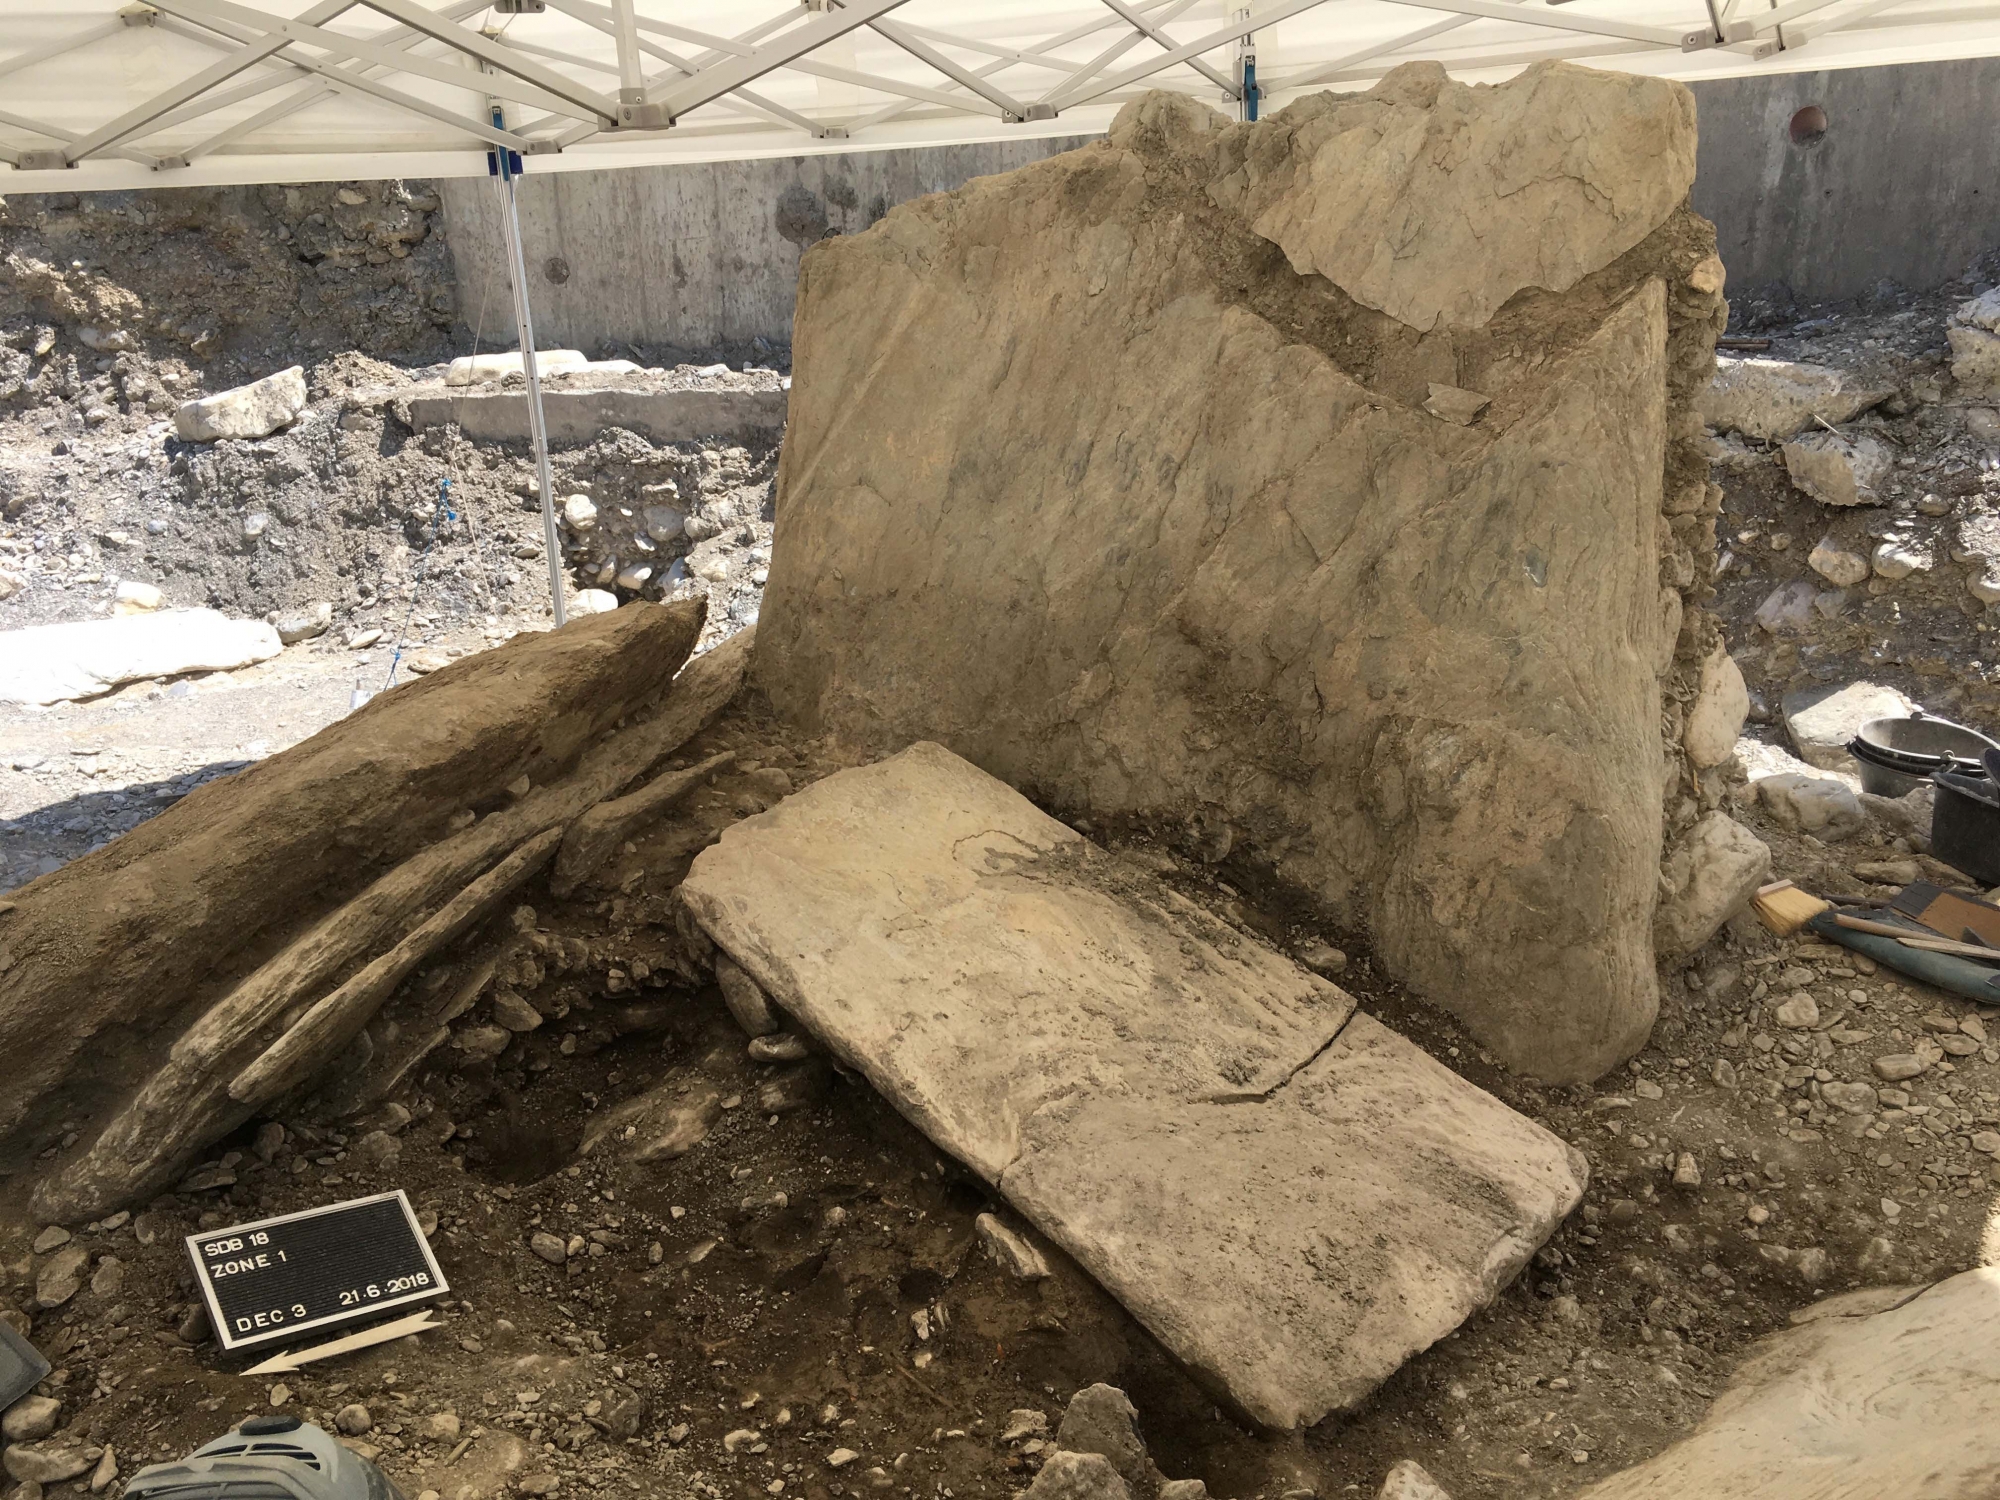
1715,718
1886,1391
1775,399
1173,534
1709,875
249,411
1822,719
1289,1196
1819,805
1838,469
59,663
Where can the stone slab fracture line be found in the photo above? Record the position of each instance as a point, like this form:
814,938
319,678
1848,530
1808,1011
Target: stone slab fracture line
524,323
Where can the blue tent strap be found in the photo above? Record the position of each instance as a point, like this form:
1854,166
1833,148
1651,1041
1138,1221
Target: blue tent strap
441,514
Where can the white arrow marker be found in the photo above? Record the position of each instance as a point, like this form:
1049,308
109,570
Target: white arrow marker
380,1334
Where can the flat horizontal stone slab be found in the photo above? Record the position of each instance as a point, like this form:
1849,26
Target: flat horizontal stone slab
1290,1197
57,663
501,416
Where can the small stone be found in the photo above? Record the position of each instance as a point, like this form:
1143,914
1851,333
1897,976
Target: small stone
1023,1423
135,598
443,1426
52,1238
514,1013
105,1472
1987,1141
1723,1074
30,1419
361,640
1849,1098
746,1002
1799,1013
303,624
61,1277
1819,805
194,1327
1898,1066
110,1278
1836,564
741,1438
280,1394
1687,1173
1838,470
1078,1476
1010,1249
268,1142
840,1458
543,1483
1894,559
1645,1088
1897,872
594,602
1101,1419
353,1419
633,578
1450,403
783,1047
578,512
248,411
550,1247
482,1042
1323,958
1409,1481
1184,1489
33,1464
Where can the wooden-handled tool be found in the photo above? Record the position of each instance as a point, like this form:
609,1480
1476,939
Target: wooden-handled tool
1911,939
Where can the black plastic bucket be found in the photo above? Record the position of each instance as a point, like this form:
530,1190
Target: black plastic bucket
1899,755
1965,825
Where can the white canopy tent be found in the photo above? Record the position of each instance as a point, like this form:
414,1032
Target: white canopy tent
98,94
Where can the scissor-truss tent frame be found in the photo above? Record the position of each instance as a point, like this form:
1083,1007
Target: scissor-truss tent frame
105,94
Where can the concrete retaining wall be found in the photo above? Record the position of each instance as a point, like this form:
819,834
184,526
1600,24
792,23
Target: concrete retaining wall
697,257
1900,185
1904,184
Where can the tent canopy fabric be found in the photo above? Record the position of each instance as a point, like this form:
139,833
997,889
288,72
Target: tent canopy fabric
101,94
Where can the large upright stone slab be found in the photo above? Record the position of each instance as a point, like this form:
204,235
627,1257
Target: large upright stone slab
1290,1197
1131,475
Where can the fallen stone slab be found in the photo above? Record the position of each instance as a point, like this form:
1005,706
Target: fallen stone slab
501,416
249,411
1856,1404
1290,1197
59,663
1778,398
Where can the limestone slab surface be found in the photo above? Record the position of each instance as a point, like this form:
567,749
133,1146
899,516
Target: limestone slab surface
1856,1404
1290,1197
57,663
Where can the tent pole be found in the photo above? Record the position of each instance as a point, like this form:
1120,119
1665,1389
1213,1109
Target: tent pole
538,432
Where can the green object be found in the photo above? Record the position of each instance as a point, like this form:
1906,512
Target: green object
1962,976
274,1456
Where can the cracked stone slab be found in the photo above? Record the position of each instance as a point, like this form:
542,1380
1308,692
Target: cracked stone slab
1292,1198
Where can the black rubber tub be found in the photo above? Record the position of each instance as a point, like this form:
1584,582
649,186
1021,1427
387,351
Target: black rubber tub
1965,825
1899,755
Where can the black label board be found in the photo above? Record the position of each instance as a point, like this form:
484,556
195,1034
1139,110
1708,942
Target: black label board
318,1269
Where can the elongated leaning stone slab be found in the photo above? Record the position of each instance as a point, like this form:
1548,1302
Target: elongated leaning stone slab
1292,1198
